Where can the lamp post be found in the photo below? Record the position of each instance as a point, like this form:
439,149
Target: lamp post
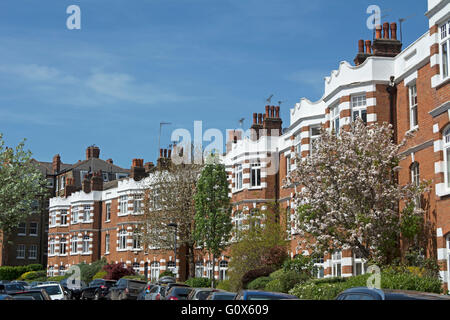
174,225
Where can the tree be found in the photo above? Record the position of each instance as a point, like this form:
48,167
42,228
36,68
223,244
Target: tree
213,211
116,271
348,196
169,198
249,251
21,183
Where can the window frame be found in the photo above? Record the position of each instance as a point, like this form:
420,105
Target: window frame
23,226
63,246
123,205
223,270
313,138
359,105
85,244
446,151
413,106
33,249
108,212
335,119
122,240
255,167
444,40
239,177
63,218
74,245
20,251
107,243
335,262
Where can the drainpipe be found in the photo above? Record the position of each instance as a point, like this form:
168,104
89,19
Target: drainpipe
392,90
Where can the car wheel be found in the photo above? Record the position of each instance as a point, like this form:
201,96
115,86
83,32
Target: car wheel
97,296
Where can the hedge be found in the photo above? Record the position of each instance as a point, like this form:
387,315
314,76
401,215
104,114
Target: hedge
328,289
13,273
33,275
100,275
259,283
224,285
198,282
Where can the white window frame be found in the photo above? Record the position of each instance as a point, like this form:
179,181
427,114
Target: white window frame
444,36
21,249
223,270
209,269
239,177
75,216
154,270
32,252
108,212
171,266
137,204
238,223
413,107
85,244
51,246
446,150
313,138
359,260
63,216
288,164
24,226
255,170
74,245
122,239
335,119
137,241
359,107
107,243
63,247
336,264
52,218
199,269
86,214
123,205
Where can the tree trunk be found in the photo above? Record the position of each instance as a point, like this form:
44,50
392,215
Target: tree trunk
212,273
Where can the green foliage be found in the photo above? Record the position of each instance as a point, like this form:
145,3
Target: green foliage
198,282
224,285
300,264
135,277
277,274
291,278
21,183
57,278
33,275
88,271
253,245
100,275
13,273
427,266
259,283
328,289
274,286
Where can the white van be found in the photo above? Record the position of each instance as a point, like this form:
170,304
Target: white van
55,291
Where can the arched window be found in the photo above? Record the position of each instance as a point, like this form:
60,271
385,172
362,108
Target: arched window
223,270
122,239
447,157
199,269
85,244
63,246
154,270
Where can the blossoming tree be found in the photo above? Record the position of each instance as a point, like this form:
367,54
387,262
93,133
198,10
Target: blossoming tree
347,195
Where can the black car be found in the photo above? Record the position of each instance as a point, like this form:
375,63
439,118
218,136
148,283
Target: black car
36,294
178,293
126,289
364,293
221,295
98,289
11,288
73,289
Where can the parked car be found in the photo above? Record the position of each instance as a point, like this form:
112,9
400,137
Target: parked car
174,284
74,289
6,297
97,290
37,294
54,290
11,288
221,295
4,281
35,284
158,292
166,279
178,293
201,293
23,283
364,293
263,295
126,289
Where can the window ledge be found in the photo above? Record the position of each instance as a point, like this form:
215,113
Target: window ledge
412,130
256,188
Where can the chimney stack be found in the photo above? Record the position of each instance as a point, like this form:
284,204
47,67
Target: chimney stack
70,187
148,167
56,164
260,121
110,161
86,184
92,152
267,112
363,54
361,46
388,46
137,171
97,181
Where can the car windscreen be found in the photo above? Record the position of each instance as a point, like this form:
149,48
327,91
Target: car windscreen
202,295
181,291
13,287
224,296
52,290
35,295
136,285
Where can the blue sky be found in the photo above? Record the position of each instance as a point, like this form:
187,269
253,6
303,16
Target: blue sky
137,63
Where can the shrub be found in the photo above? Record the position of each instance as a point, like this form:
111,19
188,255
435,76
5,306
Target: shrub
33,275
100,275
301,264
116,271
198,282
35,267
256,273
13,273
274,257
57,278
135,277
274,286
224,285
291,278
259,283
277,274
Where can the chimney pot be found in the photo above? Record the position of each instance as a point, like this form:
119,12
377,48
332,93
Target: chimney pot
272,111
255,118
394,31
169,153
277,112
368,47
110,161
378,31
160,153
165,153
260,118
267,111
361,46
386,30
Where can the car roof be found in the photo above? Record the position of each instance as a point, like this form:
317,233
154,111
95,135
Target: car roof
265,293
392,294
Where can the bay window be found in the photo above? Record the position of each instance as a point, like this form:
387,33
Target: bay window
314,137
359,108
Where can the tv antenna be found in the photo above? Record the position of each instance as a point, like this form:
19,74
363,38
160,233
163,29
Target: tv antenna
269,99
280,102
241,122
401,20
381,21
